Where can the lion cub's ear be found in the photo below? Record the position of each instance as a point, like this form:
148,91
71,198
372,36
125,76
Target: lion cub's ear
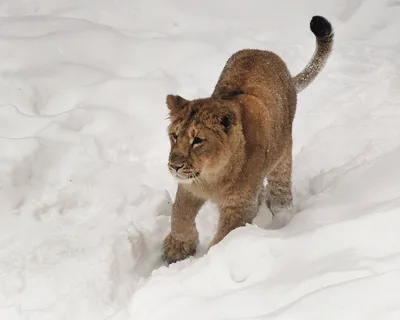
175,103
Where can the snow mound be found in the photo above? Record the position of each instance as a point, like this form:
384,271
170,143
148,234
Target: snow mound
343,249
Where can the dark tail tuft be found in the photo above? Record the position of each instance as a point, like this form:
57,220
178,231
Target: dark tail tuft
321,28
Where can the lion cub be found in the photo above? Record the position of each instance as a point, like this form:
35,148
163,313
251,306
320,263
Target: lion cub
224,146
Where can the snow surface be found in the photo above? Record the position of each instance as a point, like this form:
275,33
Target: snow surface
86,195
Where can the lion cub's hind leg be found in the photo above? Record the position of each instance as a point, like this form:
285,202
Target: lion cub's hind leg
279,192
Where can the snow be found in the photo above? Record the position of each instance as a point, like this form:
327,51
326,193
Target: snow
86,195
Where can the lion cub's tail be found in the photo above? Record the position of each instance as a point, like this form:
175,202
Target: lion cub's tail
324,33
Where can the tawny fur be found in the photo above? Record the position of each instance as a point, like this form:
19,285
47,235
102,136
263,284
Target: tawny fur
223,147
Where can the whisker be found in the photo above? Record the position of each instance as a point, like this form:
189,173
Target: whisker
198,181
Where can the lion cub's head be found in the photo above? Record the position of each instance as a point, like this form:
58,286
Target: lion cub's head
203,135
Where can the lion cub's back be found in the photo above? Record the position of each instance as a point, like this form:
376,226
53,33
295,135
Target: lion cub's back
257,72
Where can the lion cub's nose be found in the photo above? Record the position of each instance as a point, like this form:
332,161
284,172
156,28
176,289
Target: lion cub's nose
175,167
176,161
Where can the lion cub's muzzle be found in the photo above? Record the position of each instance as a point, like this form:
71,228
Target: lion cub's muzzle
179,168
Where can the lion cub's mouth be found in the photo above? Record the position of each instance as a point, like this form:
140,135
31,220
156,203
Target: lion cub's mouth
187,178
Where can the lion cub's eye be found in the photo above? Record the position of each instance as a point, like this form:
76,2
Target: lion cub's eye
174,136
197,140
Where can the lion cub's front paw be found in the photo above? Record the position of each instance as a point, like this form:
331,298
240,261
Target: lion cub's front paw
281,217
176,250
